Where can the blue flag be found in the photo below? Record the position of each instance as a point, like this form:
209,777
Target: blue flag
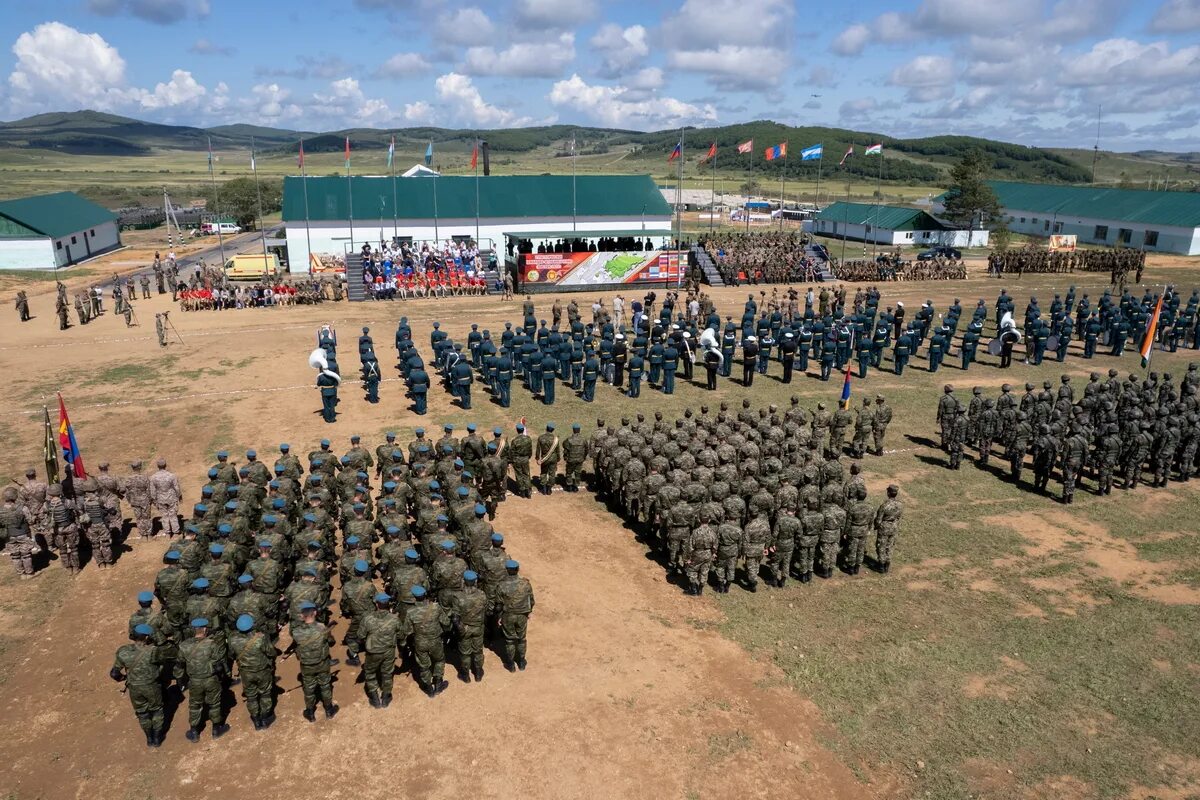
846,389
811,153
429,154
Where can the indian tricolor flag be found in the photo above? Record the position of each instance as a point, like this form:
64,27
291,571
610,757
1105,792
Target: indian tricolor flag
1151,333
874,150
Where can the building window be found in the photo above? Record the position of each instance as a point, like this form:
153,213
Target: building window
59,244
1046,225
1124,235
1150,239
92,232
1022,220
72,240
1101,233
1058,227
1034,220
908,235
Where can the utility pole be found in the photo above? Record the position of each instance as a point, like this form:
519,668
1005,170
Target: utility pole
1096,148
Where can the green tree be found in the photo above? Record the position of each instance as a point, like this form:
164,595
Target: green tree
969,200
238,199
1001,237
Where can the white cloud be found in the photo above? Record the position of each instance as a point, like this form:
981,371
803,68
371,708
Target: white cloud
552,14
181,90
418,113
546,60
1176,16
613,107
466,103
463,26
960,17
402,65
732,67
622,48
852,41
270,101
59,66
709,24
1127,63
862,107
926,77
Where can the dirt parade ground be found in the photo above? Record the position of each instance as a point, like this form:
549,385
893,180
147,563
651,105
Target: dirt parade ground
1019,648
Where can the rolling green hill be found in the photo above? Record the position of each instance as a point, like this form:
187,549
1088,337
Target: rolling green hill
120,161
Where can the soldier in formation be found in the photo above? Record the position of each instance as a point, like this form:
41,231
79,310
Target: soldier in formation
404,553
1115,432
761,489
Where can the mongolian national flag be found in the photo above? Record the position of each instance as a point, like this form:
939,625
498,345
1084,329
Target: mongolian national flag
347,152
475,155
712,152
776,152
429,154
1151,332
846,390
746,147
301,164
849,152
874,150
50,451
66,440
391,151
676,153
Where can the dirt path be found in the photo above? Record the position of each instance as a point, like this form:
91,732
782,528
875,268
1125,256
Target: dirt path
626,694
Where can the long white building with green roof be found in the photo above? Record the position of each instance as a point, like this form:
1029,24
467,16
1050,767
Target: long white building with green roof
54,230
1163,222
334,216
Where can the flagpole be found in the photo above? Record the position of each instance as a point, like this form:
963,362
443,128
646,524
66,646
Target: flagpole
820,162
395,211
307,229
782,182
712,203
349,194
217,205
846,218
679,208
436,235
875,218
475,158
749,164
574,201
262,228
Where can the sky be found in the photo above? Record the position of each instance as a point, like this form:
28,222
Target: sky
1026,71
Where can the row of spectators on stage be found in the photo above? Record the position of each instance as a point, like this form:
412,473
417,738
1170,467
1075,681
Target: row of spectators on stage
602,244
260,295
449,282
761,257
409,259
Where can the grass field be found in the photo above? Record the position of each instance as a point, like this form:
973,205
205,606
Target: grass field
1019,647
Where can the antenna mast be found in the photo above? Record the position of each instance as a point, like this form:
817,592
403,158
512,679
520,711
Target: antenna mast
1096,148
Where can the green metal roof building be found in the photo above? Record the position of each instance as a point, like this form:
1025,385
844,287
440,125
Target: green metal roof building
890,225
333,216
54,230
1167,222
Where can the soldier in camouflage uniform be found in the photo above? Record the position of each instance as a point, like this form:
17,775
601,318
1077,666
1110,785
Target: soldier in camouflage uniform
858,527
756,538
575,453
139,665
64,528
468,615
699,551
887,526
255,654
382,635
94,519
137,494
512,606
518,452
16,535
548,453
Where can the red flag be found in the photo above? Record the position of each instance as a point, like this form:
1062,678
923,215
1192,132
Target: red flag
347,152
712,152
66,440
474,155
746,147
301,154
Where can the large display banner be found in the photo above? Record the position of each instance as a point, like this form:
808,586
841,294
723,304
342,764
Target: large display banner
1062,242
600,269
